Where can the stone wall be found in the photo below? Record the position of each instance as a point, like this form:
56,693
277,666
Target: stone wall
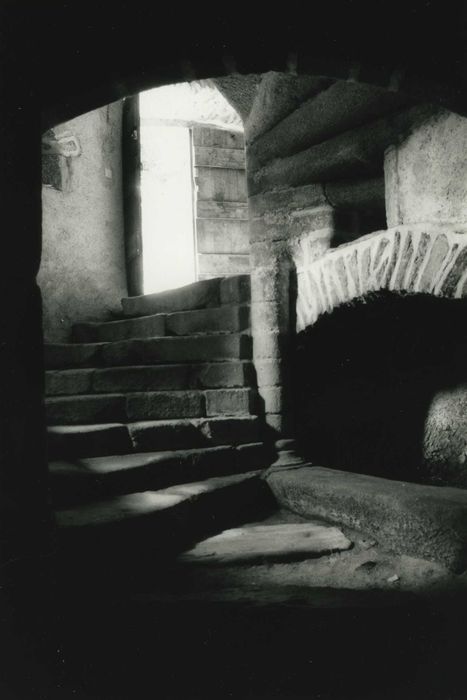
332,164
315,163
82,274
380,373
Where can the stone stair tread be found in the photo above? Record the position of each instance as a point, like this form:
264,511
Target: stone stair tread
77,480
144,351
419,520
161,377
96,440
141,505
276,543
146,405
197,295
219,319
123,463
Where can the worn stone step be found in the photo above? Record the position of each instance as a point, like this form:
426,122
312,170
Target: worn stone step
215,375
143,327
231,318
268,543
78,480
143,523
148,405
149,351
147,436
429,522
198,295
220,319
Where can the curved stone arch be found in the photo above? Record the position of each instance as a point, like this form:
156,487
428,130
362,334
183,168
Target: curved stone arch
244,61
411,259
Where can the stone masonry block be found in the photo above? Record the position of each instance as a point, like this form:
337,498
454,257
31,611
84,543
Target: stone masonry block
422,521
270,316
269,372
229,402
165,405
235,290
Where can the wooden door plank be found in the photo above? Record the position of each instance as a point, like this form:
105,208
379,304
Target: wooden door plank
223,236
233,158
221,185
219,138
222,210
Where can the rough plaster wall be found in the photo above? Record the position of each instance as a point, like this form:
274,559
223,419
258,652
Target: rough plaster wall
82,274
240,91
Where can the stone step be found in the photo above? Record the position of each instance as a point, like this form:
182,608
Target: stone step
173,377
78,480
148,436
149,405
258,544
144,523
202,348
429,522
198,295
221,319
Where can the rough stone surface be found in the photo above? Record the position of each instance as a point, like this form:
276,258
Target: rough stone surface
163,405
367,193
183,349
278,95
288,199
79,410
272,398
71,381
82,274
423,521
425,174
224,319
172,510
148,405
341,107
445,436
210,375
230,402
418,258
356,153
235,289
147,436
63,355
253,543
149,351
291,223
198,295
100,477
146,326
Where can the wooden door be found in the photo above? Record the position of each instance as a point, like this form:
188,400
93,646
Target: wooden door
222,228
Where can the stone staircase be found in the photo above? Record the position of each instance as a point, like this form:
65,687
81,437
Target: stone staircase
152,417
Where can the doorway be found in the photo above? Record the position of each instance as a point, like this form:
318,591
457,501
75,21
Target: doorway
193,197
168,237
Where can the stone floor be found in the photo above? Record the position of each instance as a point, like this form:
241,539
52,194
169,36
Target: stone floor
358,623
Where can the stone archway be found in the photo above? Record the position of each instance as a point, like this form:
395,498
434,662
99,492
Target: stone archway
61,63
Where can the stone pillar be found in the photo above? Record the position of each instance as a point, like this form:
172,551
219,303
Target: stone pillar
285,227
271,328
426,174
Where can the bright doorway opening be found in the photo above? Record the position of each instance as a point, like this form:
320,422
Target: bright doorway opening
194,220
167,207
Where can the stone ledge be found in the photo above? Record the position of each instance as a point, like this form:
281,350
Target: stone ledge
429,522
427,258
